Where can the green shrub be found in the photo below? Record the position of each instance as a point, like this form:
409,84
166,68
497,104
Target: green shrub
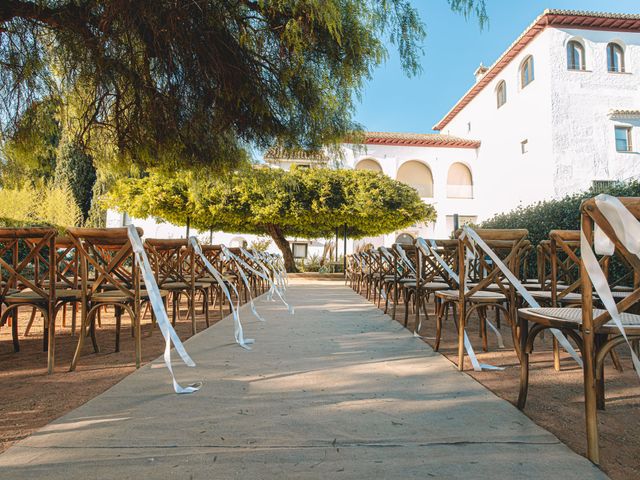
32,206
562,214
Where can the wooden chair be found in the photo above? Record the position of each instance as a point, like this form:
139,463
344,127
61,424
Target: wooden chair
173,264
107,254
28,259
591,328
490,289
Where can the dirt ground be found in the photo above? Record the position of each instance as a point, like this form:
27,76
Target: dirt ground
556,399
32,399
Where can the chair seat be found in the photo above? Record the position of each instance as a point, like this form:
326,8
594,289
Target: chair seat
119,296
29,296
572,318
172,286
482,296
436,286
569,298
622,288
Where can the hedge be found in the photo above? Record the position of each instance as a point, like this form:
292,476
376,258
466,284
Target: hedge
561,214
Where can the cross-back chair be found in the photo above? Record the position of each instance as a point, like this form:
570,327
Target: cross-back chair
28,261
107,254
482,284
590,327
173,265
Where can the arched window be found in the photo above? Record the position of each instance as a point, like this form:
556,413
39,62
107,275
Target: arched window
459,182
615,58
404,239
526,72
368,164
575,56
501,93
417,175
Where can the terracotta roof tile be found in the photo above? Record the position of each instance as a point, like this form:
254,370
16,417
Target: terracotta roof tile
418,140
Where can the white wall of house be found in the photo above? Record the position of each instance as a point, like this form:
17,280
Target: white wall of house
583,138
508,176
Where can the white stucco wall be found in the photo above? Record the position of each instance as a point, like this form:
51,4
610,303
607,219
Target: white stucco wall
507,176
583,138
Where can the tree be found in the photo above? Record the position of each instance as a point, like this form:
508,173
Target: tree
75,169
308,203
192,82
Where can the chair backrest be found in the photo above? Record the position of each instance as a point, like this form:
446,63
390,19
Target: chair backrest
67,271
170,259
475,263
591,217
28,260
446,251
108,254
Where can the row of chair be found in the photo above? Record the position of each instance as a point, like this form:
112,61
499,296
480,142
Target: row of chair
89,270
483,270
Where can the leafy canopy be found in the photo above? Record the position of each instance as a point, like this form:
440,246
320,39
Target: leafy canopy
308,203
193,82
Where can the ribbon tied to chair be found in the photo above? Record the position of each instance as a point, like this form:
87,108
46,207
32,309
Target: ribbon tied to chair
627,229
160,313
238,331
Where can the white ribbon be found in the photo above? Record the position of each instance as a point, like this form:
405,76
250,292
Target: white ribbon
475,363
627,229
519,287
160,312
270,268
238,262
405,259
238,332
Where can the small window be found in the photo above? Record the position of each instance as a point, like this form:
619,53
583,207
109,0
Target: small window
526,72
623,139
299,250
603,186
575,56
468,127
615,58
524,146
501,93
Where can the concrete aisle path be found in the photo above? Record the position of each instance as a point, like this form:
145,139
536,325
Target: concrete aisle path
338,390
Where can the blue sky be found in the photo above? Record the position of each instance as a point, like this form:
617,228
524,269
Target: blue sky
453,49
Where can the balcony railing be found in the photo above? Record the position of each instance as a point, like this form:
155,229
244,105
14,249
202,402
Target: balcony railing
459,191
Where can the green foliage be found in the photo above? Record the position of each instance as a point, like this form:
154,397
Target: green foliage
309,203
75,169
29,155
311,264
561,214
30,206
260,244
187,82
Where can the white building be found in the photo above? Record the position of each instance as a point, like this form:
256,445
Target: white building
556,112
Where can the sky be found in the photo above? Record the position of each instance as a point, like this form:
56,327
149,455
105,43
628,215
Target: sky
453,49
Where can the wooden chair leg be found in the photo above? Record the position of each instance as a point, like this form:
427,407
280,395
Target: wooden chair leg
556,355
118,315
461,325
524,367
31,319
590,397
51,338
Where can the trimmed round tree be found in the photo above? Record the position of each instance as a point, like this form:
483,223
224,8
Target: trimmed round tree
308,203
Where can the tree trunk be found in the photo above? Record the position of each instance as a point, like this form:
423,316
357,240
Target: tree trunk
281,242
